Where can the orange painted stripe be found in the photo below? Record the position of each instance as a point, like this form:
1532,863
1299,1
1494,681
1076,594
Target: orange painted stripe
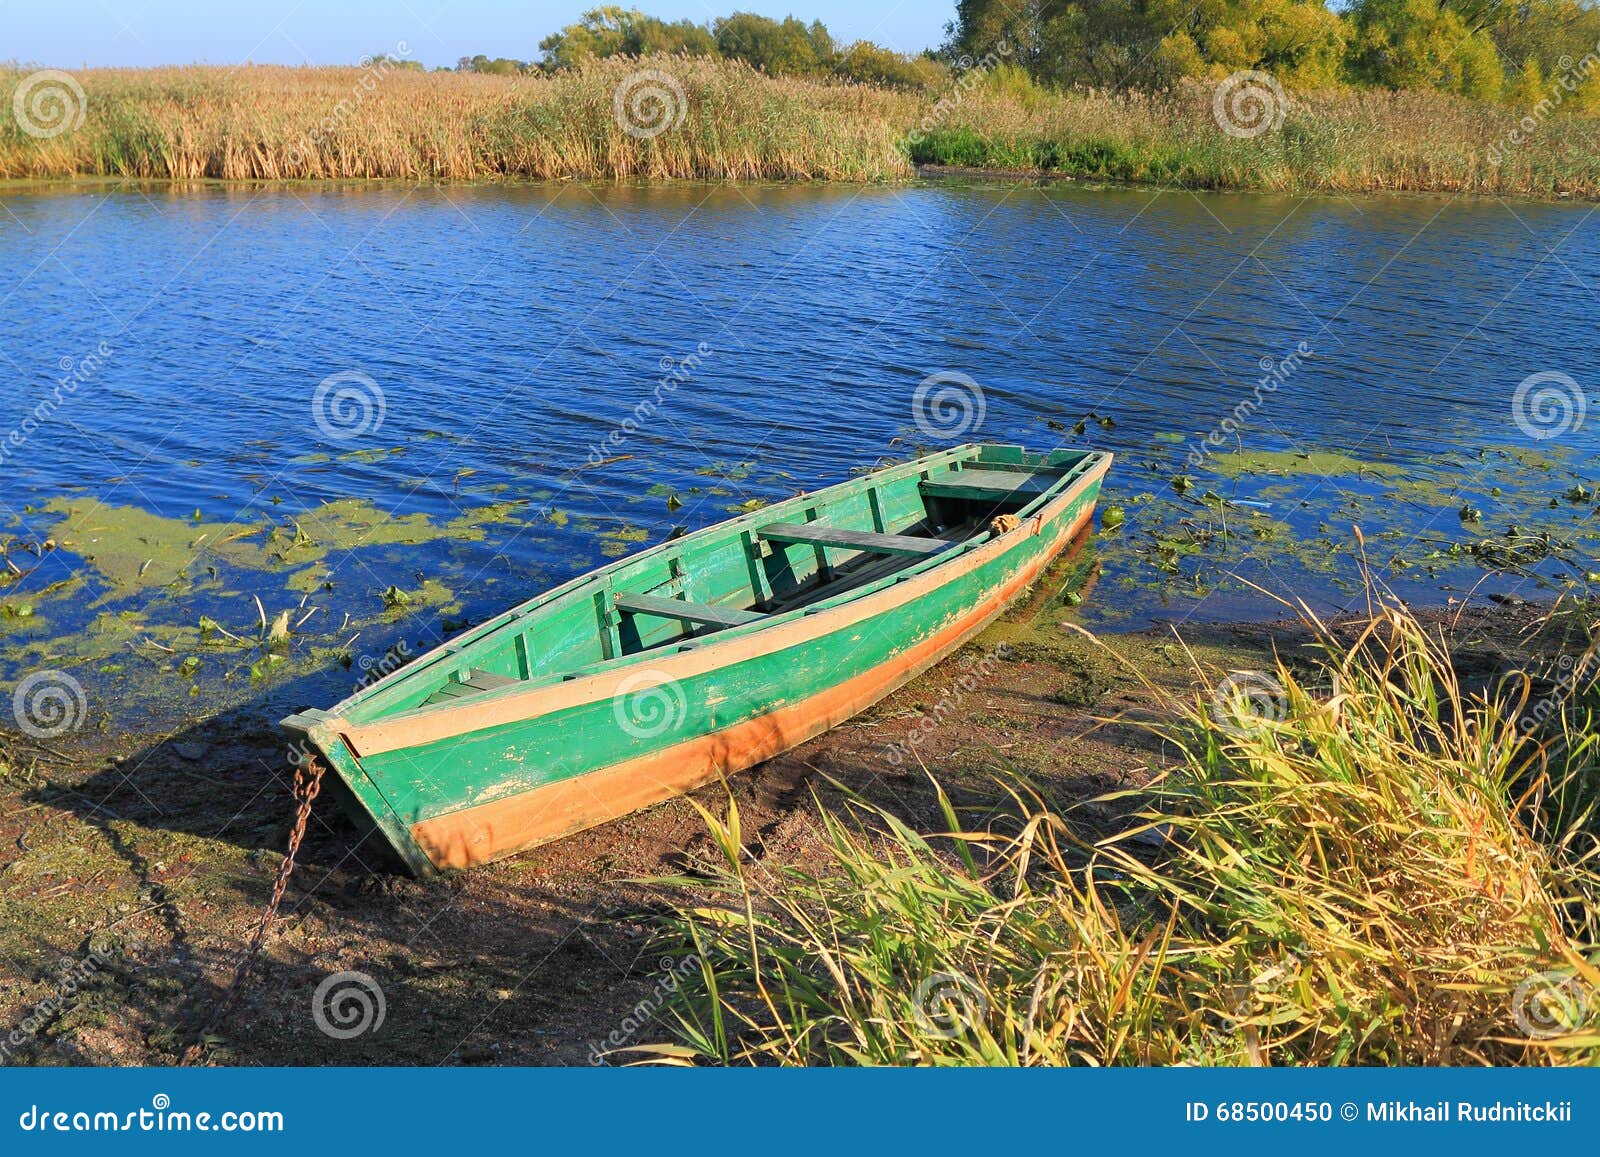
489,831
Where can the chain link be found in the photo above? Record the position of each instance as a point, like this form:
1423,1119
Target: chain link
307,783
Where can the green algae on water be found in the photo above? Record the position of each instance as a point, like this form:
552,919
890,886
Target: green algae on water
1314,463
134,549
618,542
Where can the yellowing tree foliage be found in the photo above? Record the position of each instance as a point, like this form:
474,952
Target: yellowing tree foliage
1477,48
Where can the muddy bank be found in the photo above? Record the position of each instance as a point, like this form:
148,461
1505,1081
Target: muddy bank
133,869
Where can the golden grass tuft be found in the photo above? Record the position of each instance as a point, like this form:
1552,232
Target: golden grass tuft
1385,869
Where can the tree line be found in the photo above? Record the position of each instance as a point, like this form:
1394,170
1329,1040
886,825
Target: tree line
787,47
1487,49
1518,51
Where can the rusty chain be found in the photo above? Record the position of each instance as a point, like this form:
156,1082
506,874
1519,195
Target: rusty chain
308,774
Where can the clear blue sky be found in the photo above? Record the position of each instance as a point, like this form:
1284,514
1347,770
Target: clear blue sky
78,33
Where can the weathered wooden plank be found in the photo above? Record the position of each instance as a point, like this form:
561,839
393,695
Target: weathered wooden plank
980,484
811,534
1029,468
631,604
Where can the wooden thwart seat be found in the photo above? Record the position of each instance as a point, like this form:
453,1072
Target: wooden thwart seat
813,535
982,484
630,604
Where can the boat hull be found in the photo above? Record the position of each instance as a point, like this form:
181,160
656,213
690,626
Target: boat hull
538,765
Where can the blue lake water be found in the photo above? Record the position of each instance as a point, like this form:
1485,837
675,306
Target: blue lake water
483,345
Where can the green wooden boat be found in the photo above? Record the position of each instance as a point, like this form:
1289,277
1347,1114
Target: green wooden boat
698,657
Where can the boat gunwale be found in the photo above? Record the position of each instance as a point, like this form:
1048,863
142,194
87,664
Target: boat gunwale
378,736
446,841
338,716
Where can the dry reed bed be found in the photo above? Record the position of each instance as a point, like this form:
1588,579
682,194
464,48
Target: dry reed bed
295,123
302,123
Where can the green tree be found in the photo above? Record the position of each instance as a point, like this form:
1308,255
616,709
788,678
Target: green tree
611,31
786,47
869,63
1303,43
1422,44
598,32
684,37
982,26
1098,43
1300,42
1150,43
1561,35
386,61
498,66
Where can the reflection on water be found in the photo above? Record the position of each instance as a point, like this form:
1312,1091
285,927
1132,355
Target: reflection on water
477,346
